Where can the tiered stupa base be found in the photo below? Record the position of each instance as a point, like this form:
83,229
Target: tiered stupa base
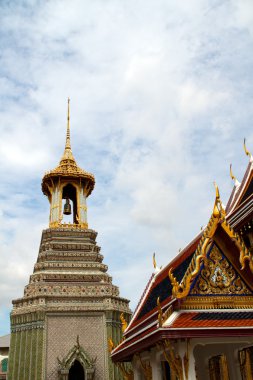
69,311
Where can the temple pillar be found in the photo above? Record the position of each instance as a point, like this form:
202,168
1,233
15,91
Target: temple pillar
155,363
192,371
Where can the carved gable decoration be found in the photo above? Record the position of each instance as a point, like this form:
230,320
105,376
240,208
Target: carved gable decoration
218,277
76,353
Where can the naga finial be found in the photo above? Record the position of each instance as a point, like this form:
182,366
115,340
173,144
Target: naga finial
160,312
154,261
246,151
157,269
218,209
237,183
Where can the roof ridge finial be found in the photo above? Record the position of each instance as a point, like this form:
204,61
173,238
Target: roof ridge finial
219,208
237,183
246,151
67,145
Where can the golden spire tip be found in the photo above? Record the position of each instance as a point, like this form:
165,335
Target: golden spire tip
216,190
219,208
68,146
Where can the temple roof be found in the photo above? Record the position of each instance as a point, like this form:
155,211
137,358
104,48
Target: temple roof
5,341
241,198
203,290
211,318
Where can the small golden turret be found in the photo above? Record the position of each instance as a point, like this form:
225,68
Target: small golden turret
68,181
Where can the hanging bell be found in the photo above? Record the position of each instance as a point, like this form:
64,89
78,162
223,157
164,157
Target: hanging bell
67,208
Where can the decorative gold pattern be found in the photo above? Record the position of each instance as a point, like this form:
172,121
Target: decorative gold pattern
67,225
246,364
111,345
219,277
126,372
217,218
123,322
173,359
146,367
218,368
160,312
162,317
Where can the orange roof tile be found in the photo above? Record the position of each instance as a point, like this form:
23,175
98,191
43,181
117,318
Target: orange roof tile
213,319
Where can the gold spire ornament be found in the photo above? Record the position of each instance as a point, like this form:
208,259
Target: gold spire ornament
246,151
68,155
156,268
68,181
68,130
237,183
154,261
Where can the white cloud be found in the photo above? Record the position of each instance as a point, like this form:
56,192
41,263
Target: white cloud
161,98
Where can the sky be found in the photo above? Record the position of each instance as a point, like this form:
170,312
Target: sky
161,99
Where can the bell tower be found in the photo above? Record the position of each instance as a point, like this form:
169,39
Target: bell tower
70,183
70,296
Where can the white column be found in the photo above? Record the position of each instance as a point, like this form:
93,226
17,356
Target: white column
192,372
182,351
155,362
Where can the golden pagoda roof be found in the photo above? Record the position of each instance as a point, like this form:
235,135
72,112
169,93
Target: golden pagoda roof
68,166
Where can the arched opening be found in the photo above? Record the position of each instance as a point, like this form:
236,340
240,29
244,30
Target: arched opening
69,195
76,371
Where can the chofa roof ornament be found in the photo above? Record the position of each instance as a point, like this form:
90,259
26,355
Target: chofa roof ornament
237,183
246,151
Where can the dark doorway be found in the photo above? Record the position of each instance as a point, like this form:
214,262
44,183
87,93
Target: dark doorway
76,371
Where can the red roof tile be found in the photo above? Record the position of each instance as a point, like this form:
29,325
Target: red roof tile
212,319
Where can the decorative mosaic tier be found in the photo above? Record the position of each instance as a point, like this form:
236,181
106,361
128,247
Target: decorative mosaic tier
69,294
69,275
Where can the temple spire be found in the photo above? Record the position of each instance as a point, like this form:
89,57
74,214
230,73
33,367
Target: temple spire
68,181
67,155
67,145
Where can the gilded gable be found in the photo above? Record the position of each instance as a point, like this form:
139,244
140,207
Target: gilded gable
218,277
